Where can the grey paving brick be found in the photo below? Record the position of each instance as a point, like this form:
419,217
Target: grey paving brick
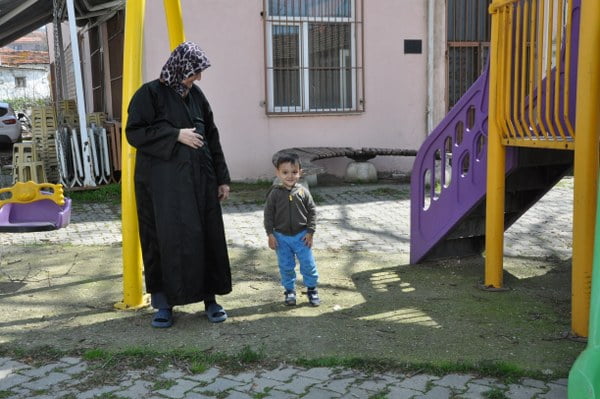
280,395
319,393
242,377
172,374
354,393
489,382
179,389
418,382
556,391
318,373
402,393
375,385
561,381
220,384
338,385
475,391
391,378
20,392
533,383
99,391
12,365
233,394
41,371
46,381
76,368
298,384
517,391
437,392
453,380
70,360
139,389
208,376
260,384
197,395
9,381
281,373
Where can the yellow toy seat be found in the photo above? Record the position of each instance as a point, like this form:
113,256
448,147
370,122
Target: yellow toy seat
33,206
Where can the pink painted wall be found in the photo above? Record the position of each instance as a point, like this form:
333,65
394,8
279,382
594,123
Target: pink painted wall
231,32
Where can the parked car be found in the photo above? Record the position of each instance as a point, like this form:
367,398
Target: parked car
10,125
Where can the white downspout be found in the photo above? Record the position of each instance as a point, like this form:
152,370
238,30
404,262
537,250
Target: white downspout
430,64
85,142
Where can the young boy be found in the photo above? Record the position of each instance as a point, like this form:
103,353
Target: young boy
290,225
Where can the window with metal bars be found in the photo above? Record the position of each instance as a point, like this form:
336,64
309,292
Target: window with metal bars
469,31
313,63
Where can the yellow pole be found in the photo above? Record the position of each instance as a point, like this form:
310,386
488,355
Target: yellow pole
132,80
174,22
496,161
586,164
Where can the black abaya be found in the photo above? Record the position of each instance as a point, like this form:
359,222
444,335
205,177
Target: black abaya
180,219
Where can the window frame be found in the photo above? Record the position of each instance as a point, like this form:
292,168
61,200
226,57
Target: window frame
20,82
356,60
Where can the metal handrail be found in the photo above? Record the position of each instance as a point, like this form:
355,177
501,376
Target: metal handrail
535,81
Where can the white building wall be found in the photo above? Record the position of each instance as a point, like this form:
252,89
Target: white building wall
231,32
37,84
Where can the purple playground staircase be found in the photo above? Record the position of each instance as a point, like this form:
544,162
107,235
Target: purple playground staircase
448,182
449,172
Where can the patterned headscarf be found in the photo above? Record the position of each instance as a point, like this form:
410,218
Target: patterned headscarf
186,60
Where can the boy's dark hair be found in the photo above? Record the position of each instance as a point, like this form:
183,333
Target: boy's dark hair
286,157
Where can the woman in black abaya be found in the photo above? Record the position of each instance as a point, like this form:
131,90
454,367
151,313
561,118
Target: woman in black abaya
180,178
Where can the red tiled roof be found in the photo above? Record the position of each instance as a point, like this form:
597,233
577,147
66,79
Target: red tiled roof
9,57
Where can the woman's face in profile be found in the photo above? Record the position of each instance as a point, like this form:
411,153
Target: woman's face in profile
190,81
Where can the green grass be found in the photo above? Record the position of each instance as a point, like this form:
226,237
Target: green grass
110,193
495,393
505,372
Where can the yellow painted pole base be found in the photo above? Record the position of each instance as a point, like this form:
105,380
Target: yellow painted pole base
491,288
123,306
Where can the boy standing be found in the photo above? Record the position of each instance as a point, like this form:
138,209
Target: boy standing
290,224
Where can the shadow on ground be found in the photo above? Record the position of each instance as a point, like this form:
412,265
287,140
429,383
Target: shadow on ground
374,306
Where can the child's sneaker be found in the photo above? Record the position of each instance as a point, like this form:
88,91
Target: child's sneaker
313,297
290,297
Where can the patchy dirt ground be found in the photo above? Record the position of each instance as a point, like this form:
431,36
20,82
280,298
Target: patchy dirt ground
374,306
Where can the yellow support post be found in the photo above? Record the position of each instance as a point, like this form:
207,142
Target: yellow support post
174,22
132,80
496,164
586,165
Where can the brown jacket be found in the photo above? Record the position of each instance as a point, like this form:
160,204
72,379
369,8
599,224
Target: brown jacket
289,211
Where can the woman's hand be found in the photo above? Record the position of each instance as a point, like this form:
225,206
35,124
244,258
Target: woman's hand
223,192
190,138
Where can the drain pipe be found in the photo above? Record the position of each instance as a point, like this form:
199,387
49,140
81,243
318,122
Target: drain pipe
430,64
85,141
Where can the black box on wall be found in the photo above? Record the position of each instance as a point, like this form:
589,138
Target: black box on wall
413,47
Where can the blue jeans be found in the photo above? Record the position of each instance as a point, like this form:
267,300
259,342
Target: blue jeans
288,248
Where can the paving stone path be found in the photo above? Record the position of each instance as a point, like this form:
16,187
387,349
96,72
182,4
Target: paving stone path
71,377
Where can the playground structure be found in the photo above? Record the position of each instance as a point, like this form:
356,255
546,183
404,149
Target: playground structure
33,207
511,138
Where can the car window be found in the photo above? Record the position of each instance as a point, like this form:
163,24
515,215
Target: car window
3,111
